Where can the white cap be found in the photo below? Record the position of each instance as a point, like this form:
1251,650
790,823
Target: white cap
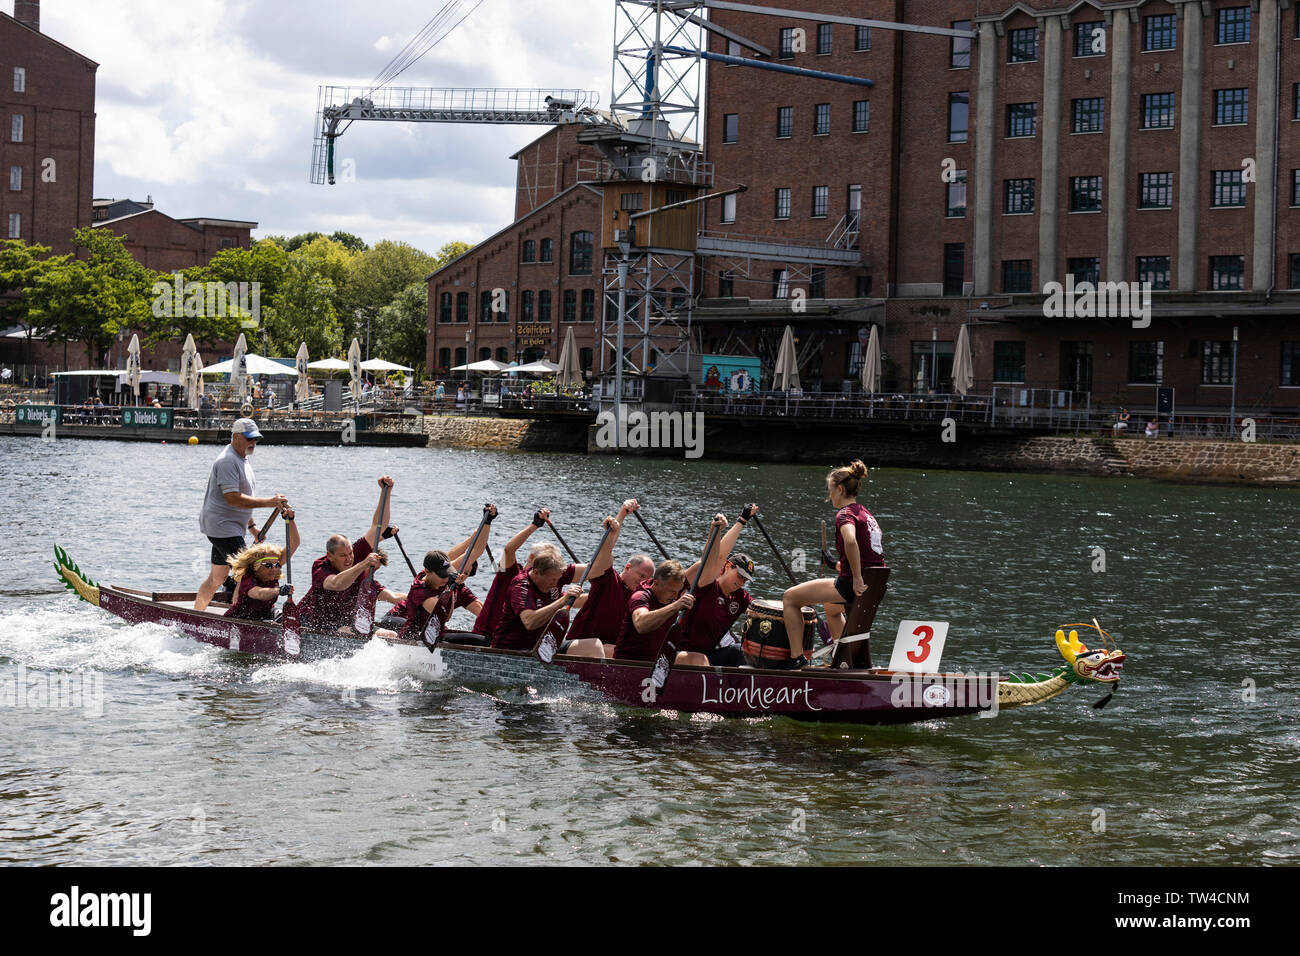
246,427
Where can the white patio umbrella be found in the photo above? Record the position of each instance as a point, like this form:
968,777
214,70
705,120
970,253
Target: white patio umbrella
570,370
482,365
540,367
302,391
238,369
871,363
133,367
786,374
963,375
379,365
328,365
254,364
187,358
354,368
194,384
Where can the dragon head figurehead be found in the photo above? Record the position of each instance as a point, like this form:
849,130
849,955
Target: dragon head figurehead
1089,667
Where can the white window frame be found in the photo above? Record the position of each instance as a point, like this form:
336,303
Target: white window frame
16,128
729,208
20,79
15,179
15,225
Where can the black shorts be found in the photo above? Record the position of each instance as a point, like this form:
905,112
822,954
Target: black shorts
222,548
394,622
729,656
845,586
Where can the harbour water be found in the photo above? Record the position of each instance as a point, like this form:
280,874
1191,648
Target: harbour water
178,753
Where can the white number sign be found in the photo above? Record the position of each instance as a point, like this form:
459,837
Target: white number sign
919,646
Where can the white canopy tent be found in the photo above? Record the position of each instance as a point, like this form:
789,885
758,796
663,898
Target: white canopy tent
379,365
328,365
540,367
486,366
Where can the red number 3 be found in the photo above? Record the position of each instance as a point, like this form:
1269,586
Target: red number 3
926,633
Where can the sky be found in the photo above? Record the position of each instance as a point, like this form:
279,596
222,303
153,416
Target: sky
209,107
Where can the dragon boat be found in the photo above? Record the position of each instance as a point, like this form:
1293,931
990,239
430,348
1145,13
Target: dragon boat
845,693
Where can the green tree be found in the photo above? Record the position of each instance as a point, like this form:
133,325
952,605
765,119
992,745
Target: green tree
349,241
401,327
303,310
376,277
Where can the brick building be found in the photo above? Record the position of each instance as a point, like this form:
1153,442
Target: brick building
47,132
164,244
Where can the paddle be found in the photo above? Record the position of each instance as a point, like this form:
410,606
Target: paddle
822,629
456,575
662,664
547,644
390,533
261,535
289,616
662,549
364,619
562,541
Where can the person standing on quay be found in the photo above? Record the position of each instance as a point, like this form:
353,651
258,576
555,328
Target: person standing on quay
231,494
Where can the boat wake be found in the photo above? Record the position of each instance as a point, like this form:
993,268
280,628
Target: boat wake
376,666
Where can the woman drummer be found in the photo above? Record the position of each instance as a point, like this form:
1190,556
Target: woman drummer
858,540
256,570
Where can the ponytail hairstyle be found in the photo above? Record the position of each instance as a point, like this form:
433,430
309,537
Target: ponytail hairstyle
849,477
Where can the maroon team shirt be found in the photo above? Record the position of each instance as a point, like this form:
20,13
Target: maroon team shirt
524,595
417,618
497,595
712,616
602,616
868,534
632,645
328,610
248,608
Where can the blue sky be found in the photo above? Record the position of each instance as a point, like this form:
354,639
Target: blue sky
208,106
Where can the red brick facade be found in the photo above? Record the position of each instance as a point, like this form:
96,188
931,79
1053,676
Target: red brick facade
164,244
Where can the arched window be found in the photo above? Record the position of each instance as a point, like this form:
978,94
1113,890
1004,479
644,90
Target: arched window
584,359
544,306
588,305
460,355
444,307
580,253
444,359
570,305
485,306
530,250
462,306
546,250
503,354
484,354
526,306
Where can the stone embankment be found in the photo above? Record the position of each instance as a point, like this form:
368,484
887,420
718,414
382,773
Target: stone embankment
457,431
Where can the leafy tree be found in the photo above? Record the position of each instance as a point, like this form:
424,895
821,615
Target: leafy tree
377,277
20,265
303,310
349,241
450,252
401,327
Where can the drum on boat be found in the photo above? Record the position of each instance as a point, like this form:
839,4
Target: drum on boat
764,638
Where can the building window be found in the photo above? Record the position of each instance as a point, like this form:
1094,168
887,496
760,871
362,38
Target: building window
444,307
1159,32
958,116
1158,111
1022,119
226,243
1229,189
733,49
504,314
1090,39
580,253
954,268
526,306
1156,191
1231,107
544,306
1146,362
787,42
863,287
1009,362
862,115
729,208
674,196
1295,90
780,284
1017,277
485,355
1019,196
485,306
1216,363
730,127
782,210
1233,25
16,179
817,284
462,306
956,204
821,119
530,250
1291,364
959,47
820,201
784,122
15,226
588,305
584,359
1085,269
16,128
1226,272
547,251
1295,187
631,202
1085,194
1154,270
726,285
20,79
444,358
861,39
462,356
1022,45
503,354
570,313
824,38
1088,115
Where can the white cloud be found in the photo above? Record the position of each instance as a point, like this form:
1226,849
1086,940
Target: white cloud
209,106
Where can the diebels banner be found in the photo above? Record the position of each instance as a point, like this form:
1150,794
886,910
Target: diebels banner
146,417
38,414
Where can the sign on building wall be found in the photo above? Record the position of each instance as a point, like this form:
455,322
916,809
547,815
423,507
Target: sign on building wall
38,414
534,334
730,373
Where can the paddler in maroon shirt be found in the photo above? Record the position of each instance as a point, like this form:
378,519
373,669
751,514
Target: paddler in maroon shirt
339,575
433,597
499,591
651,612
601,618
718,603
536,603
